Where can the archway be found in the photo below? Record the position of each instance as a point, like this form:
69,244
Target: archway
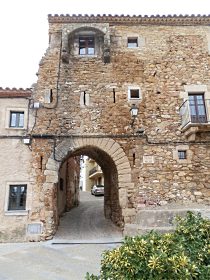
115,166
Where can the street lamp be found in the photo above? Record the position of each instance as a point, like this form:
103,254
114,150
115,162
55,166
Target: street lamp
134,112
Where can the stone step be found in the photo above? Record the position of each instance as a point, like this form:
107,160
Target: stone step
134,229
158,218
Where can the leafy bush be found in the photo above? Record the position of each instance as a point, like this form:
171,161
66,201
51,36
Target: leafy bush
181,255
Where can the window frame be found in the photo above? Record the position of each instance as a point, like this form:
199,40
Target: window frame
134,88
196,106
17,120
131,45
6,199
18,110
87,45
182,154
18,198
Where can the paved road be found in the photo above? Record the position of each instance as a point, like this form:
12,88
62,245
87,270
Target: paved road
48,261
87,222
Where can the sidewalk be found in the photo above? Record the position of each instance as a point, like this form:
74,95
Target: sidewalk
43,261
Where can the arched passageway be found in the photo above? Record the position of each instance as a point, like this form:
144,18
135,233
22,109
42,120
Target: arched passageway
114,164
70,186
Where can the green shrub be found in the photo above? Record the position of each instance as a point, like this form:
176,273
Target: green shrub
181,255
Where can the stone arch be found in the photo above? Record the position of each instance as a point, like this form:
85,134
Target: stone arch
70,31
108,146
89,27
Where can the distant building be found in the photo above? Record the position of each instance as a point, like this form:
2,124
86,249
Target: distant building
93,174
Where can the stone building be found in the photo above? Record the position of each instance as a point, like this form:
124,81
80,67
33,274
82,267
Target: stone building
93,174
15,163
98,70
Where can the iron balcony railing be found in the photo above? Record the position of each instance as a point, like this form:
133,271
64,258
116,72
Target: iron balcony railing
94,170
195,113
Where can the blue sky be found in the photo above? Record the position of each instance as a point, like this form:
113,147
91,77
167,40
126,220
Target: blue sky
24,28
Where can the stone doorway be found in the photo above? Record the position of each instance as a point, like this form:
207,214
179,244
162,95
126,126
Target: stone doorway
117,176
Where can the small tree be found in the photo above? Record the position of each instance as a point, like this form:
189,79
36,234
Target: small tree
181,255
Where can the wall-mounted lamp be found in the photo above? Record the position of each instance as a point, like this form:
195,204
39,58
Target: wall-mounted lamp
134,112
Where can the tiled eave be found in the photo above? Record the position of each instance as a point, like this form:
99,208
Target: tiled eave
14,92
142,20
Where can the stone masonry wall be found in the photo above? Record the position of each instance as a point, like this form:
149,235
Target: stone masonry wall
167,59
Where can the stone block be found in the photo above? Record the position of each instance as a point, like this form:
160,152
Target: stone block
122,159
52,164
52,178
114,148
123,198
124,178
124,165
129,212
50,172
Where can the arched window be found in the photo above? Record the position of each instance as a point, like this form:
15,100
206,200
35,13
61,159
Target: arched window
86,42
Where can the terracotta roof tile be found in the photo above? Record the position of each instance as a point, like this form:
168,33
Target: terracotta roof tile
14,92
132,19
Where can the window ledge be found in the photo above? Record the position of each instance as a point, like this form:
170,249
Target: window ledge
16,213
86,55
134,99
15,128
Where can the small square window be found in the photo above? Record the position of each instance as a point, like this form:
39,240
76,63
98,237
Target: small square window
86,45
182,154
134,94
17,197
132,42
17,119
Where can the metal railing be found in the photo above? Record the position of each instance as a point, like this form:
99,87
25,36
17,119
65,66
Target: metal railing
200,117
94,170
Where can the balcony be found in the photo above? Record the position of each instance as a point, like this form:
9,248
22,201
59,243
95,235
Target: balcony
95,172
195,117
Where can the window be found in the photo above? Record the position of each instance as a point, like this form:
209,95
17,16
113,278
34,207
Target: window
132,42
17,119
17,197
134,93
197,108
182,154
86,45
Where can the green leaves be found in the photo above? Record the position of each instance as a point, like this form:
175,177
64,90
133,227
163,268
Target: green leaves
183,254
